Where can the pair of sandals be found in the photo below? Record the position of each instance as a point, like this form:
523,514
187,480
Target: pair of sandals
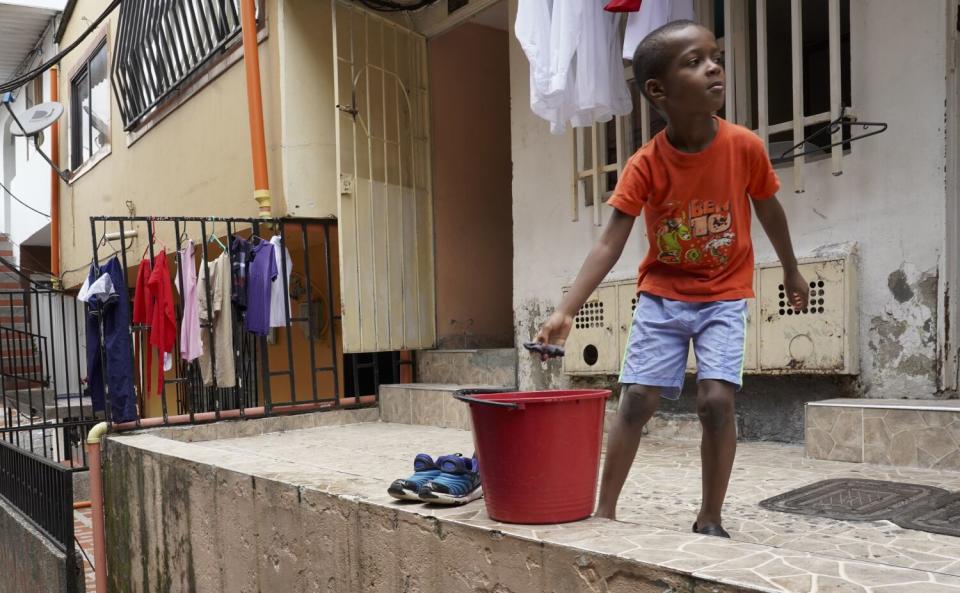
450,479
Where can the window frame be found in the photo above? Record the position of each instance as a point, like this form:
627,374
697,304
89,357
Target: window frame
100,42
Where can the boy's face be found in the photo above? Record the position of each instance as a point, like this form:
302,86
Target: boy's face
694,81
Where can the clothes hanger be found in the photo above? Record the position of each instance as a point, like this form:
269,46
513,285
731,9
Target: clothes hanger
153,240
828,130
213,235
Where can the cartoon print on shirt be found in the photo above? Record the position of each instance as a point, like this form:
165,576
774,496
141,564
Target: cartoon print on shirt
715,245
670,233
698,235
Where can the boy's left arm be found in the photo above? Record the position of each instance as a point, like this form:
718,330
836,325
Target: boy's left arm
774,222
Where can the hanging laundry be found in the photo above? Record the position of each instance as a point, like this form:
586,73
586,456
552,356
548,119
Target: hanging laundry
220,353
279,303
601,90
623,5
653,14
163,320
576,76
109,346
191,343
143,304
240,253
262,273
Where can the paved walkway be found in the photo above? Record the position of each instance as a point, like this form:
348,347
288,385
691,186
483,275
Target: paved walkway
83,529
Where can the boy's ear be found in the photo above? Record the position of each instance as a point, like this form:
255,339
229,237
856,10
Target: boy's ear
654,90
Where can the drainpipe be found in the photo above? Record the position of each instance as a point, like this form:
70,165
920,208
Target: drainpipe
55,185
251,58
96,502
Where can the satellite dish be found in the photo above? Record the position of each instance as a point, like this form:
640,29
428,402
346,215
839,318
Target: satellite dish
32,122
37,118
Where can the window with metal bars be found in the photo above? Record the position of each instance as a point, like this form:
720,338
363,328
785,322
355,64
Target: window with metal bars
162,46
782,91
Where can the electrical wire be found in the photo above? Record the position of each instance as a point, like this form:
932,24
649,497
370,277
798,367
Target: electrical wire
22,203
15,83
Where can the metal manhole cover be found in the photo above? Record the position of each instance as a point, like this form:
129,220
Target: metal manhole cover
854,500
937,516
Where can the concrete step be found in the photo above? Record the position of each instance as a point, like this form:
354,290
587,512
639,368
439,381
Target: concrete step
482,367
905,433
427,404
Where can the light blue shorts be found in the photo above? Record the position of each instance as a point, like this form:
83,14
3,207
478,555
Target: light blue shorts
657,350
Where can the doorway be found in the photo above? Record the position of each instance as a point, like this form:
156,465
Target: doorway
469,73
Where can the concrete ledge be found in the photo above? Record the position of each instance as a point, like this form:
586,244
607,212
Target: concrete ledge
307,511
29,563
233,429
906,433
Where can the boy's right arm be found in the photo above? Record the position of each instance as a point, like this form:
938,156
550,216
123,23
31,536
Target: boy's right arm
603,256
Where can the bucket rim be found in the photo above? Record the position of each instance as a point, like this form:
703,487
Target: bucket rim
544,396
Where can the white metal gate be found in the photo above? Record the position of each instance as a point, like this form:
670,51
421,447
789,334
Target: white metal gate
385,205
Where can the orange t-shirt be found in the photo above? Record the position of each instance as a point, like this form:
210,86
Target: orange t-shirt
697,212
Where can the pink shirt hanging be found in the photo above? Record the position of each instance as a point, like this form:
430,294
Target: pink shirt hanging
191,344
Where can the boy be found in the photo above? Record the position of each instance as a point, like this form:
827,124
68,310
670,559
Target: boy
695,182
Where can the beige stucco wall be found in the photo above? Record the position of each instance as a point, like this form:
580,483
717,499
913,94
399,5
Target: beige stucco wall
196,161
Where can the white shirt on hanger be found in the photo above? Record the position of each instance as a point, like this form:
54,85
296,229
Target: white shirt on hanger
652,15
278,311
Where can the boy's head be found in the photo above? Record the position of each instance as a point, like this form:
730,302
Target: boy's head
679,68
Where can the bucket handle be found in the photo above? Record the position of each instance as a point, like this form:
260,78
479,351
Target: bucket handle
464,396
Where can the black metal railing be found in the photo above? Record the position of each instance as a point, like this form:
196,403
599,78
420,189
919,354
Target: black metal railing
160,45
41,490
24,359
299,362
42,371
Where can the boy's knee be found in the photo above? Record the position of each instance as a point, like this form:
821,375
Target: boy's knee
715,407
638,403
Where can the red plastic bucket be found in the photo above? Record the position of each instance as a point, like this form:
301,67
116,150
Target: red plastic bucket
539,452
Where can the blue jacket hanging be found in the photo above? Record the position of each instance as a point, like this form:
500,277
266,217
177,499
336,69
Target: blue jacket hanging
108,306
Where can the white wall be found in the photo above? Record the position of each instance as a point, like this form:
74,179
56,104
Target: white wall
22,169
890,200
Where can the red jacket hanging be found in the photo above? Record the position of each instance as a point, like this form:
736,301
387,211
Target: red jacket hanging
623,6
153,306
143,301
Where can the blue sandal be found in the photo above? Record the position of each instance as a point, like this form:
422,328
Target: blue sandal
459,482
425,469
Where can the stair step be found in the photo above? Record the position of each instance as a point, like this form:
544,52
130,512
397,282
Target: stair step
485,366
427,404
906,433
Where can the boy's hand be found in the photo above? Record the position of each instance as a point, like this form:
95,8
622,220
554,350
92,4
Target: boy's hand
554,331
797,289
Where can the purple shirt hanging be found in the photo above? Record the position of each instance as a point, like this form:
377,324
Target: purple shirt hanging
262,273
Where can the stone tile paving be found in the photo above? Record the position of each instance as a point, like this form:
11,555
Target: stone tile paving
770,551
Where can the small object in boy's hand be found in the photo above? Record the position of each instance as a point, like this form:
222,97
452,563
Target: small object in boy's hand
544,349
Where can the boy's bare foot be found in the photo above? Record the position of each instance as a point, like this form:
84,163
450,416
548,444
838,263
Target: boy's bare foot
708,529
606,514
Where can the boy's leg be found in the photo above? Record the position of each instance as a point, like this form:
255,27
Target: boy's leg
715,406
637,405
719,346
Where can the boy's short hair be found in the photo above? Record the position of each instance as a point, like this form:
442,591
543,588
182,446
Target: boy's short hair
653,54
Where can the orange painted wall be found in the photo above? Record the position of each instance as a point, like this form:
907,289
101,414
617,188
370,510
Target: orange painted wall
472,179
